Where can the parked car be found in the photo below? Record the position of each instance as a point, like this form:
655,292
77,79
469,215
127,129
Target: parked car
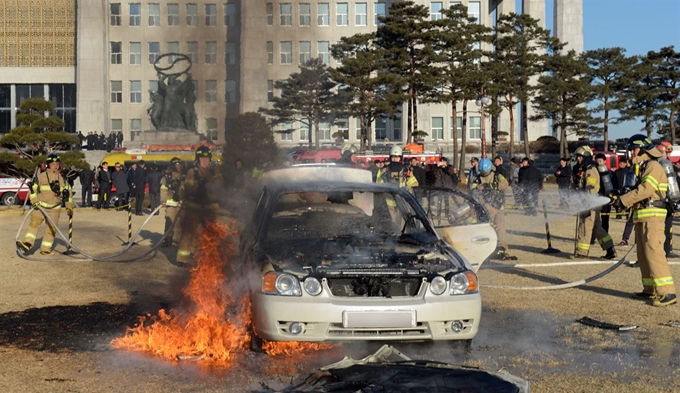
9,186
340,258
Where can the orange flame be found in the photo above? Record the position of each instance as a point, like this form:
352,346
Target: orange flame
217,326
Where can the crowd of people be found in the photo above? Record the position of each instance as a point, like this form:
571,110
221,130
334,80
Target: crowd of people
94,141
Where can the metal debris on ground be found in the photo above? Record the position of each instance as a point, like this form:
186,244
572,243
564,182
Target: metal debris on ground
671,324
377,373
604,325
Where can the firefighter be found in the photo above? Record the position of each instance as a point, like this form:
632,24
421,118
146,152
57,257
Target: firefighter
200,189
587,180
170,191
489,189
396,172
649,204
666,148
51,192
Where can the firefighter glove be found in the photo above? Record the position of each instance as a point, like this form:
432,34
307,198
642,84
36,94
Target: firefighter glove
615,201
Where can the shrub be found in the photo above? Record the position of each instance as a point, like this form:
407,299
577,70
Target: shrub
545,144
472,149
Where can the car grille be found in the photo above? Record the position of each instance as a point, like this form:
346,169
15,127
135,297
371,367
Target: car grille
375,287
337,330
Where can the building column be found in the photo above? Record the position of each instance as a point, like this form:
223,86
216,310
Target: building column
568,24
92,85
535,9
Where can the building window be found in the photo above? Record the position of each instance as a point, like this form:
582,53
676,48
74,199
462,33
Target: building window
135,14
305,14
116,52
173,47
270,90
475,127
343,128
154,14
211,90
305,51
192,15
230,15
357,128
211,14
230,92
379,13
396,130
135,92
380,128
361,14
192,51
304,129
116,91
436,10
342,14
173,14
270,14
114,10
286,132
211,128
154,51
286,52
153,88
323,17
135,128
437,132
211,52
474,10
323,52
459,127
324,131
116,125
229,53
270,52
286,13
135,53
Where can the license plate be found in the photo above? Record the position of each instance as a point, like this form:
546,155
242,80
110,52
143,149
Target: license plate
379,319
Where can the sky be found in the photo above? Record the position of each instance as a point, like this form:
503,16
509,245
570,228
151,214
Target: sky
638,26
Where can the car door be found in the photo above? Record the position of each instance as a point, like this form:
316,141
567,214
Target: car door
460,221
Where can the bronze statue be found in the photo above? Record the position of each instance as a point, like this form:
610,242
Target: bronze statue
173,103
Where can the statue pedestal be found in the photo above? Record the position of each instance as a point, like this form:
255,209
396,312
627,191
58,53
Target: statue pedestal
165,137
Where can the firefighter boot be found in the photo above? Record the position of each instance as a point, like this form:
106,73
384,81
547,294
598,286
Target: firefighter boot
611,254
667,300
24,246
643,295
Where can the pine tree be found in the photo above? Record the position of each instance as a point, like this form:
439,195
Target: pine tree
667,65
306,96
457,51
520,46
562,94
609,79
251,140
641,99
366,87
406,38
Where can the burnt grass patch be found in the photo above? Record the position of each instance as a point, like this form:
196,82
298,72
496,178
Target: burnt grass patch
66,328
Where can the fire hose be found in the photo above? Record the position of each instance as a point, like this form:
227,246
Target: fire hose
569,284
89,257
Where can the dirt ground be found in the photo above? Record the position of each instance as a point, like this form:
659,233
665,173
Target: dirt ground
58,314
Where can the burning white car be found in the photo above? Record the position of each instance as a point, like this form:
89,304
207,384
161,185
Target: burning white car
343,259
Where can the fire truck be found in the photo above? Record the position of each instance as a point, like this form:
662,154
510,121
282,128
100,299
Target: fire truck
411,150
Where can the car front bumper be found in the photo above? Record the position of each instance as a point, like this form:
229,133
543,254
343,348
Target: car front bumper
423,317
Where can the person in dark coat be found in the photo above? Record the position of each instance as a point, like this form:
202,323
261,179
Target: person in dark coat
563,177
153,177
418,171
531,181
119,178
140,184
500,168
86,179
620,175
104,180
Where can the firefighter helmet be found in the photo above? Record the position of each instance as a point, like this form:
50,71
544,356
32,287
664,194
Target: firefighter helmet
52,158
485,166
584,151
348,148
175,160
665,146
644,143
203,151
396,151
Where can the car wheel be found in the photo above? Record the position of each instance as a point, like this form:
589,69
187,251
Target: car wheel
256,343
8,199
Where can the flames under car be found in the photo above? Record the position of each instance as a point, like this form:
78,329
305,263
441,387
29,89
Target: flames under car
355,262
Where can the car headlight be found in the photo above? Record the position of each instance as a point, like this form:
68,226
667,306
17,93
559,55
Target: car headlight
463,283
438,285
283,284
312,286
